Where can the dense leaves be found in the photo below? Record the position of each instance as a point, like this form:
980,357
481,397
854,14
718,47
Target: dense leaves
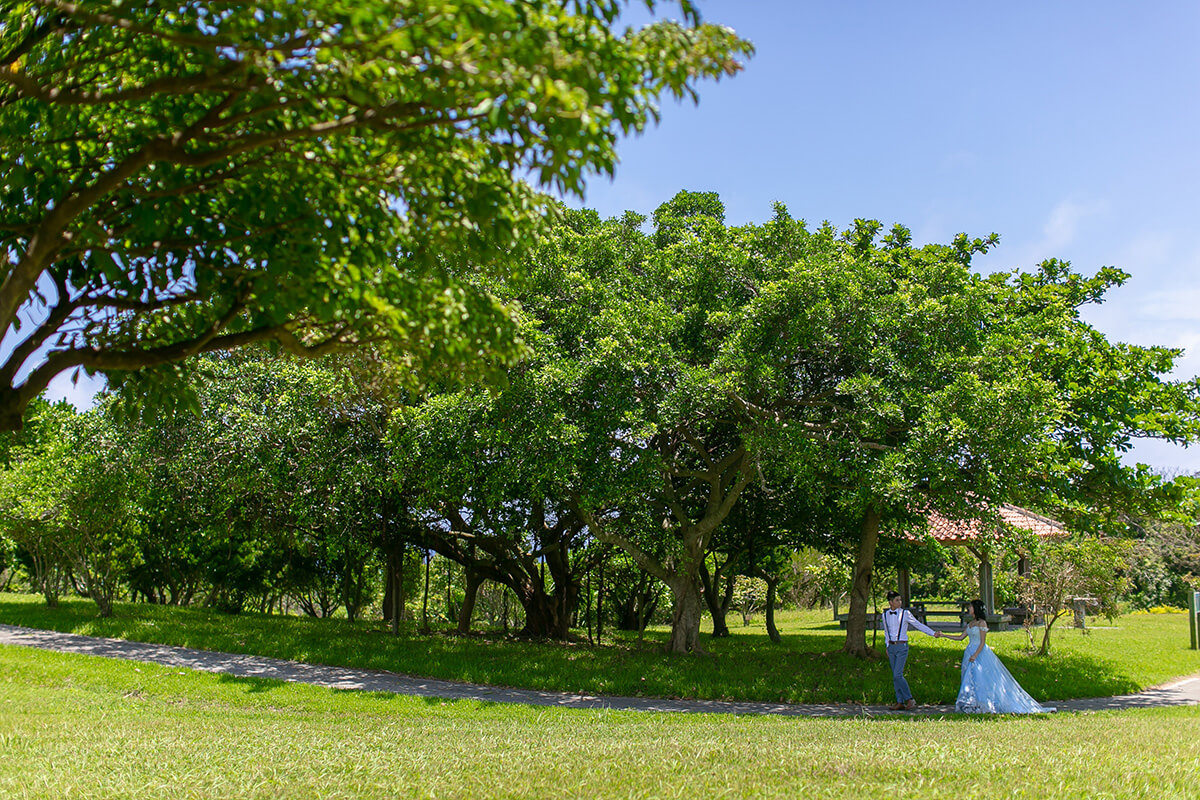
704,399
187,177
870,378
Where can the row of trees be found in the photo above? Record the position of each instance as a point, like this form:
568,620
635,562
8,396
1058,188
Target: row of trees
703,399
197,177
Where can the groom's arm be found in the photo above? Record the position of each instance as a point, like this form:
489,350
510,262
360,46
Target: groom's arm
913,622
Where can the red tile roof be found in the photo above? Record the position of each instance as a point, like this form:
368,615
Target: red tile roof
949,531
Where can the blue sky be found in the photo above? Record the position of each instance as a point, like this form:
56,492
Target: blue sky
1068,128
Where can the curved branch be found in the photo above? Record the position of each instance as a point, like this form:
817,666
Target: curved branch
644,560
58,315
76,12
175,85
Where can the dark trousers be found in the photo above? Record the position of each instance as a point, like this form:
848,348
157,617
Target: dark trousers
897,655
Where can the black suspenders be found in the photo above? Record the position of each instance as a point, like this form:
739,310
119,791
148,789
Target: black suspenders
899,626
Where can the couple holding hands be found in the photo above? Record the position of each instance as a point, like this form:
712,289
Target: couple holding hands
987,687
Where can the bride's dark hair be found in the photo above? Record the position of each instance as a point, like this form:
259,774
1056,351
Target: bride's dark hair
978,609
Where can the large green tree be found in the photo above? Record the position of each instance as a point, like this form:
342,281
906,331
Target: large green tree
185,177
884,377
286,472
924,384
500,477
641,318
35,467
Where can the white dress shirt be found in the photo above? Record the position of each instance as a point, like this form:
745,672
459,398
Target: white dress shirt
897,621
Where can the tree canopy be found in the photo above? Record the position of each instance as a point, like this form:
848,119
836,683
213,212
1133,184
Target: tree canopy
875,377
187,177
703,397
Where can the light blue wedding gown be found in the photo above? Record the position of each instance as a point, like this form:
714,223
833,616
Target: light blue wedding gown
988,687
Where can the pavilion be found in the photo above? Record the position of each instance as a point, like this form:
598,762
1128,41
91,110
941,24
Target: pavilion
976,535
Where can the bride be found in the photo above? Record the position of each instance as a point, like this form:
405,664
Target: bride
987,686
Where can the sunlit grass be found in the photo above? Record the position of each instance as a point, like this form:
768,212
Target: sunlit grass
1139,651
82,727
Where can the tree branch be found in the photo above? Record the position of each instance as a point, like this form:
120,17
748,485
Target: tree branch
178,85
76,12
58,314
644,560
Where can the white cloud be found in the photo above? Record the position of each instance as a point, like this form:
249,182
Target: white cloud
1061,229
1147,253
1171,305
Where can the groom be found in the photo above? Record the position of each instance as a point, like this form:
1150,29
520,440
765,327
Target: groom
896,622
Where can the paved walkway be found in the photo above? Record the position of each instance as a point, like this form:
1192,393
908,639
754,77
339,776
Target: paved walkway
1183,692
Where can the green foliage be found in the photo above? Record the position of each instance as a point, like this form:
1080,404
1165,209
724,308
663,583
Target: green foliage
1062,570
70,499
191,177
855,376
749,597
815,578
1164,564
279,487
952,574
99,506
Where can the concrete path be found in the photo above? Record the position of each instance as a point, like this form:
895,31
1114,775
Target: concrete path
1184,692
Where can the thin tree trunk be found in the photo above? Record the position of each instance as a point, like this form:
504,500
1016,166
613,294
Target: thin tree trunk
394,595
600,603
588,612
717,602
471,591
772,631
1049,623
425,597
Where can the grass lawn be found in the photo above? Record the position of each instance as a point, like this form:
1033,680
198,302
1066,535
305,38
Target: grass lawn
1139,651
84,727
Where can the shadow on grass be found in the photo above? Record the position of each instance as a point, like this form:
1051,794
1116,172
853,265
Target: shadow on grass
252,685
808,667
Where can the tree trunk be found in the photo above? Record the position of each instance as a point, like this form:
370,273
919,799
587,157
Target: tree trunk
772,631
685,619
1049,623
588,612
600,603
471,590
49,585
47,576
425,596
860,593
548,615
718,602
104,601
634,609
541,619
393,593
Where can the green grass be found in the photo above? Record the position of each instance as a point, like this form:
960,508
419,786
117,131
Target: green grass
1140,651
84,727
